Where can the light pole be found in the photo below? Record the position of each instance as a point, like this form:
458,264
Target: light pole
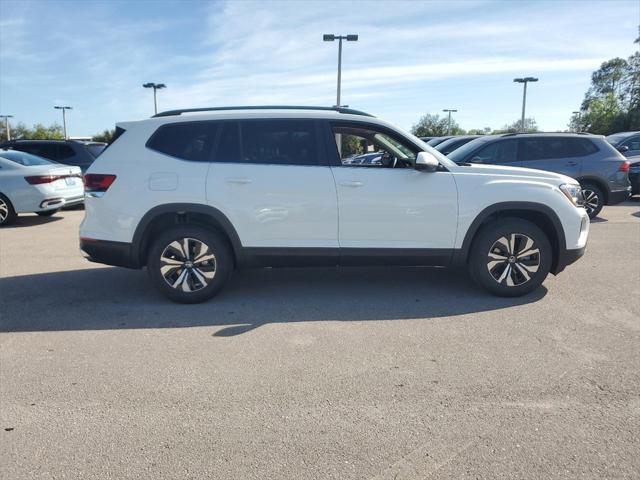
64,118
524,80
449,123
328,37
6,125
155,86
577,117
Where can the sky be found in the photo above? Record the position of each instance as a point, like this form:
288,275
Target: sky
411,58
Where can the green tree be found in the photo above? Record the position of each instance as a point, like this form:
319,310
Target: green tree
530,125
106,136
350,145
20,131
612,103
435,126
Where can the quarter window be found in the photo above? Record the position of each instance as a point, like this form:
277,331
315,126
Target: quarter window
188,141
633,143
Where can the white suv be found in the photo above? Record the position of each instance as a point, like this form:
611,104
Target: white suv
193,194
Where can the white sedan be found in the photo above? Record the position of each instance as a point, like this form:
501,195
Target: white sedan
32,184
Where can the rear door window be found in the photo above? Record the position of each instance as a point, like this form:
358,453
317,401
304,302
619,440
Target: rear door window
187,141
556,147
279,142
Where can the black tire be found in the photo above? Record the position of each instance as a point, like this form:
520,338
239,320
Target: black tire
48,213
193,281
508,278
7,213
593,199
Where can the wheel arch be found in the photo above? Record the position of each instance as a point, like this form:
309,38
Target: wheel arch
540,215
167,215
599,183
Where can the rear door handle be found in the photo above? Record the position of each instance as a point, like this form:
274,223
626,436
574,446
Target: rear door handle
351,183
572,164
239,181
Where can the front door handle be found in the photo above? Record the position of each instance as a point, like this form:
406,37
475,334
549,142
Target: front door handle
572,164
351,183
239,181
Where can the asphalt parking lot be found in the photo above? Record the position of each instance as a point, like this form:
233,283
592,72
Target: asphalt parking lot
348,374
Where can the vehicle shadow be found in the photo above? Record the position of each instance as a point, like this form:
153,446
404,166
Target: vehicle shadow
32,220
113,298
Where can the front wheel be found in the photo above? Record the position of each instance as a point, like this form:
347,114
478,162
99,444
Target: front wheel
7,213
510,257
189,264
593,199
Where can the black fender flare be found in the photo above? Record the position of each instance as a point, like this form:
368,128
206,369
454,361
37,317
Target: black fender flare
220,220
463,252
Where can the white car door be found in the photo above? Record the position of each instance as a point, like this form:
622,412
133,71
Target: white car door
271,184
381,207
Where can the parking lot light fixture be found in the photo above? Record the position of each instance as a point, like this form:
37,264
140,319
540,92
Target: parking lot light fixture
449,122
6,125
524,80
156,87
64,118
329,37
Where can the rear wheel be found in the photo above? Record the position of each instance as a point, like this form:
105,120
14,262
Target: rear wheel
510,257
189,264
593,199
48,213
7,213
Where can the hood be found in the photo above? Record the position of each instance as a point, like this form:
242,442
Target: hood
519,172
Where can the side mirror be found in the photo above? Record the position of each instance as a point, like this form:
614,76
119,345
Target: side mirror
476,160
623,149
425,162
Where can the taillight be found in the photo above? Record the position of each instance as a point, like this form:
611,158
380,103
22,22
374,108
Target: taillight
97,183
40,179
624,167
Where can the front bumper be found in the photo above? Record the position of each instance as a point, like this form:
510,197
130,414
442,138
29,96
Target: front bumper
118,254
567,257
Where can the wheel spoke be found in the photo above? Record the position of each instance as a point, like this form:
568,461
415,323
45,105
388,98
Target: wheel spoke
527,253
523,271
188,264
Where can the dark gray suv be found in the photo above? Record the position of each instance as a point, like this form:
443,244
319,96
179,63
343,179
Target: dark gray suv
68,152
601,170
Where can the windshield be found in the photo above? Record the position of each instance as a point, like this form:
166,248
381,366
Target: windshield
96,148
441,158
460,154
617,138
23,158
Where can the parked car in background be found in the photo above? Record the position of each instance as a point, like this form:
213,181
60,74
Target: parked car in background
425,139
194,194
68,152
601,170
634,177
627,143
34,184
438,140
453,143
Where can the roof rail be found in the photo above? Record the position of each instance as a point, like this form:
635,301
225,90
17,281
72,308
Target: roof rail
170,113
511,134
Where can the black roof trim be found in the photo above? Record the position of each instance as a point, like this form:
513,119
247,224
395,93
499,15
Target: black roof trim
170,113
513,134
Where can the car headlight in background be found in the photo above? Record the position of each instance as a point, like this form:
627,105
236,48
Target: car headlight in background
573,192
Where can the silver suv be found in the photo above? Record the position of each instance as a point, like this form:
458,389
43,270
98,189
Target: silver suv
602,171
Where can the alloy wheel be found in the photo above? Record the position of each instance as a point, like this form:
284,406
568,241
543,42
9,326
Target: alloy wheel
4,210
187,264
513,259
591,201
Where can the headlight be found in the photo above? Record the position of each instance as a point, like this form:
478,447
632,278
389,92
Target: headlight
573,193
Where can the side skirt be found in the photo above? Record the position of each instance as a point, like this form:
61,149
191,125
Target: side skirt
331,257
